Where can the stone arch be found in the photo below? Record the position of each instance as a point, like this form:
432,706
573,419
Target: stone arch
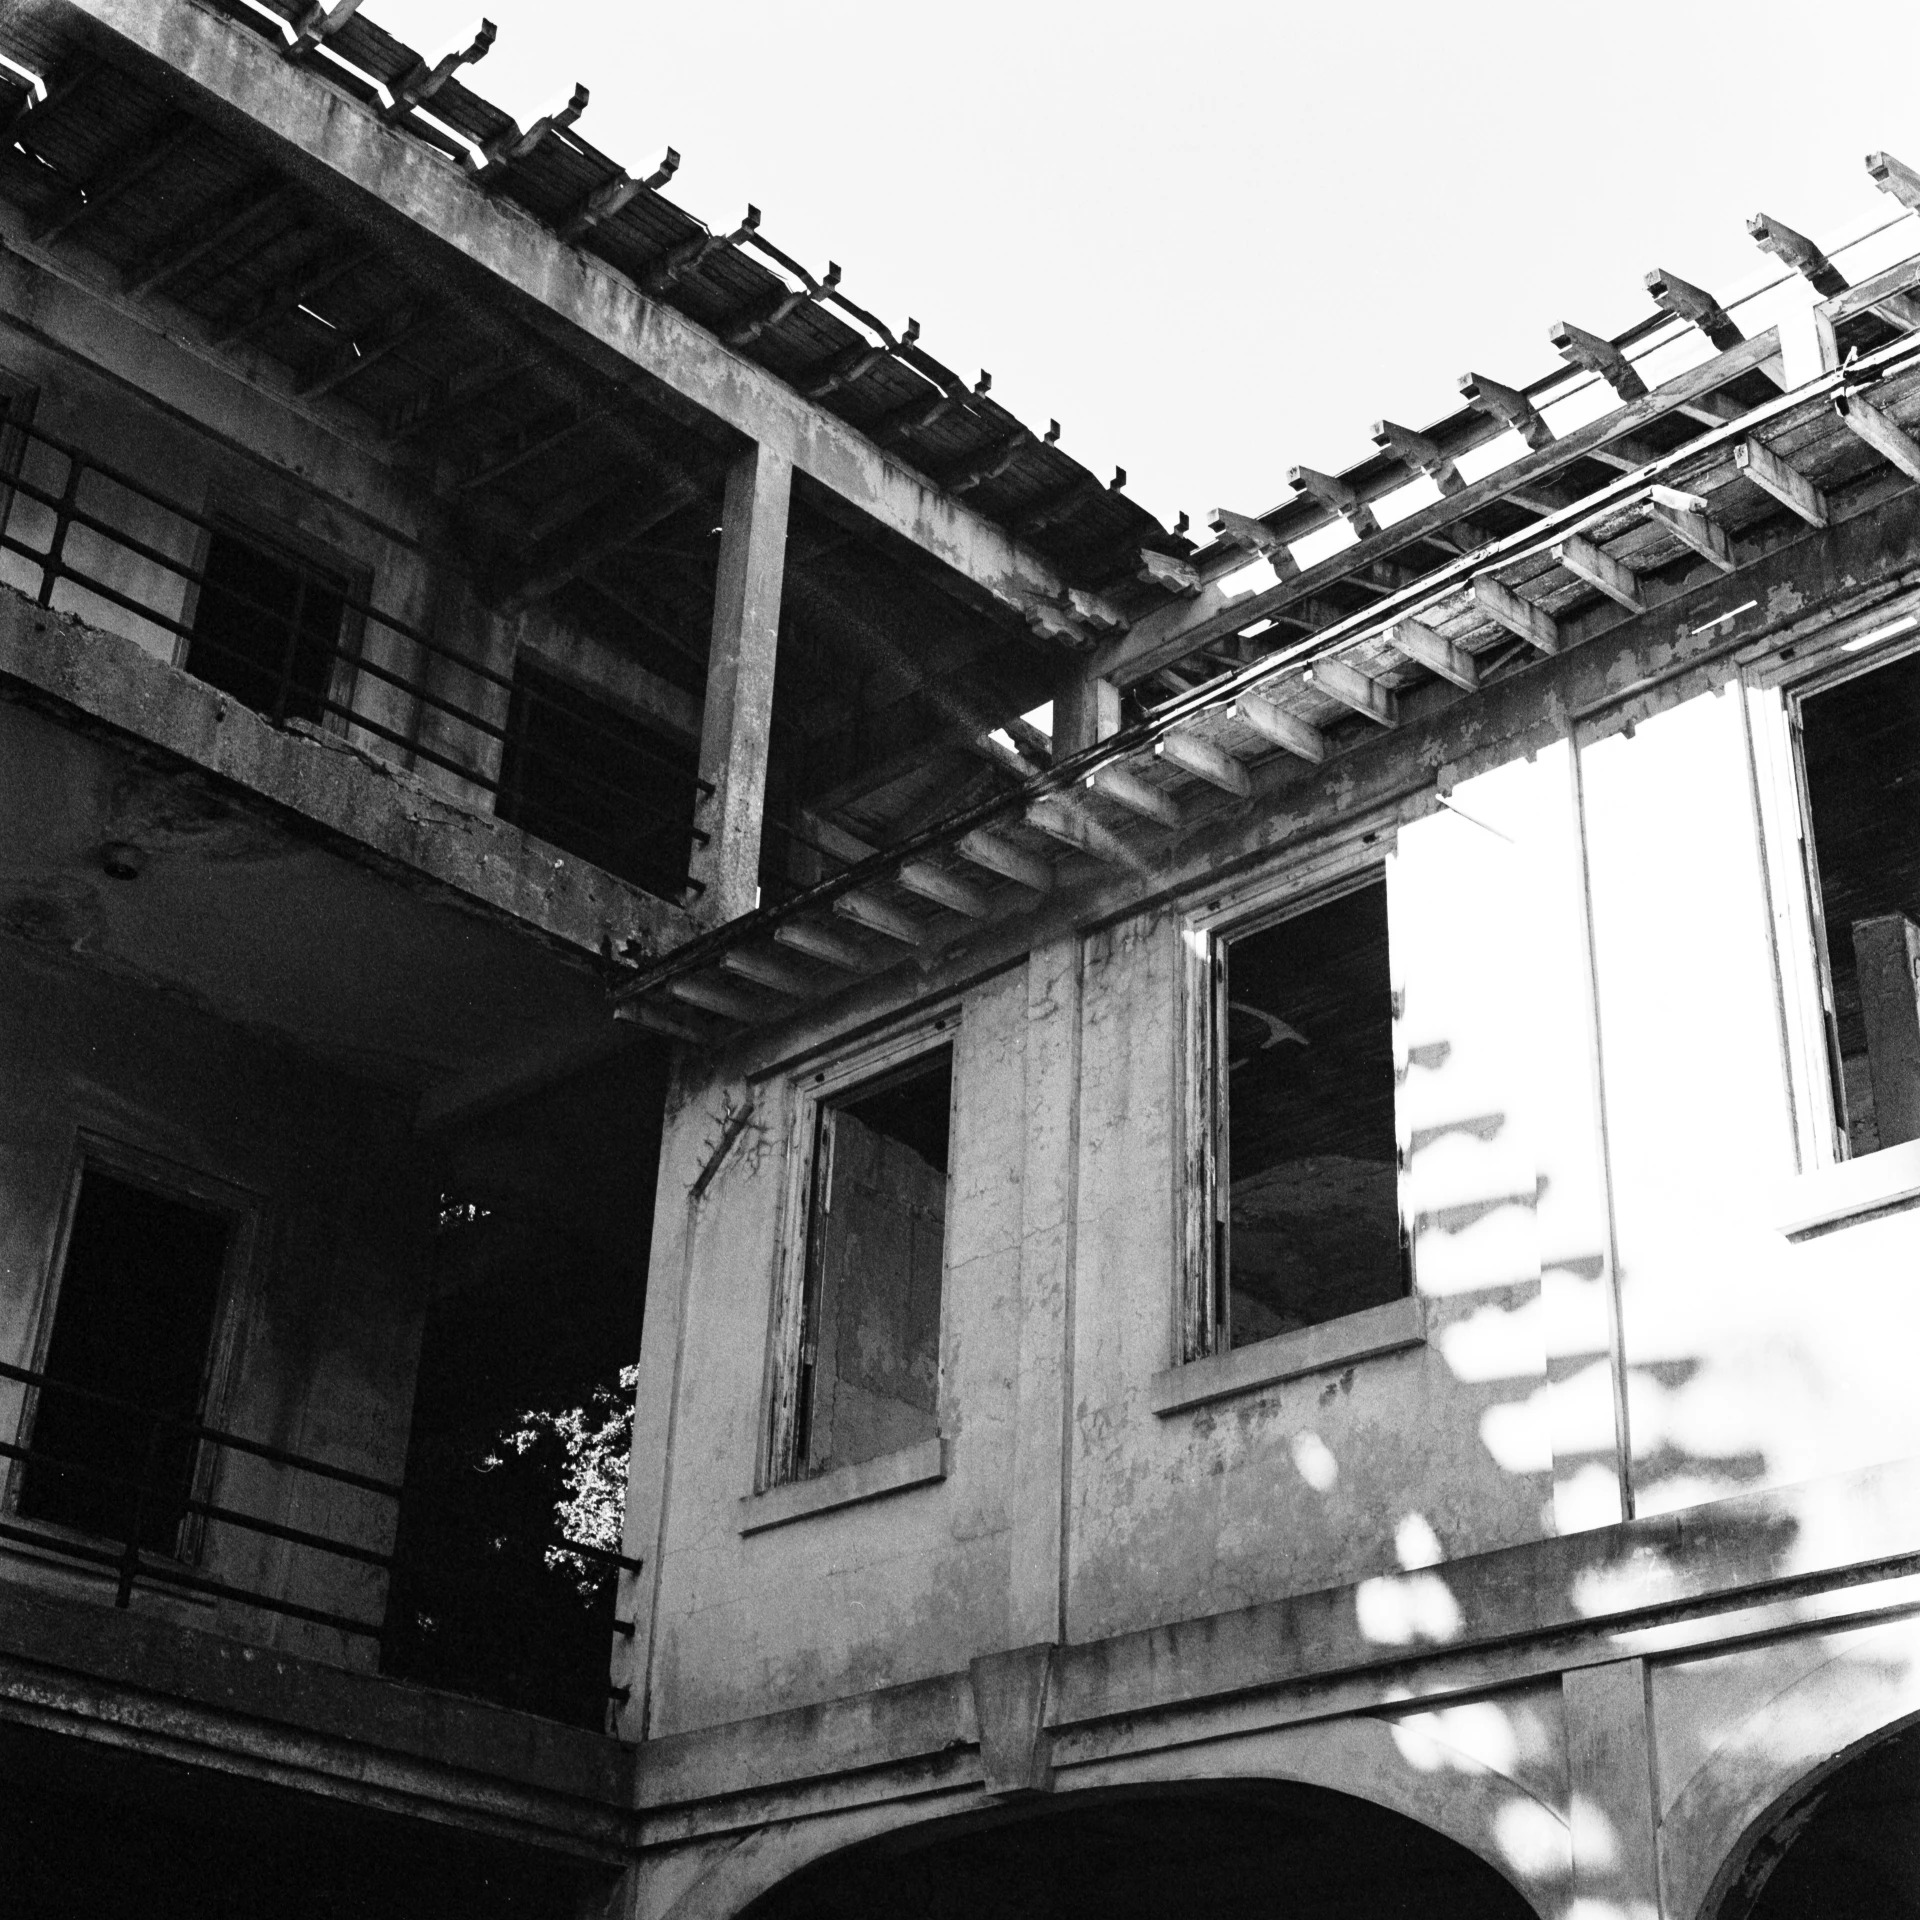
1509,1827
1767,1770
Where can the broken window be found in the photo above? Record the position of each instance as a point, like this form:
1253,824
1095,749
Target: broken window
1860,749
1304,1202
267,628
867,1379
111,1447
591,779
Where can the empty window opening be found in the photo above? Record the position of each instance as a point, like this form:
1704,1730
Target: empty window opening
1860,745
266,628
869,1376
1307,1221
132,1332
591,779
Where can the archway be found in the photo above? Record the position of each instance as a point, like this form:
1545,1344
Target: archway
1231,1850
1846,1847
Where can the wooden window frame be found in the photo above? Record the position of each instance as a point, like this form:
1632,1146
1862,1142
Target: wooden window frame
808,1092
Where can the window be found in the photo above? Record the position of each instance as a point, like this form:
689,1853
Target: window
133,1334
1860,752
267,628
1297,1201
863,1370
589,778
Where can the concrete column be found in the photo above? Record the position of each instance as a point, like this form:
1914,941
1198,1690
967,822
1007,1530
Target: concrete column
1038,1489
1611,1809
1085,711
739,704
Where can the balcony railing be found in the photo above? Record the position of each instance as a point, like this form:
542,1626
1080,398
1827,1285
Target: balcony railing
134,1563
82,536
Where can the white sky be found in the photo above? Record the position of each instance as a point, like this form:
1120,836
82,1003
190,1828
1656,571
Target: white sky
1216,244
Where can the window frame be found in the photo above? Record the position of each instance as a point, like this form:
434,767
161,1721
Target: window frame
170,1180
1204,1328
807,1092
1775,684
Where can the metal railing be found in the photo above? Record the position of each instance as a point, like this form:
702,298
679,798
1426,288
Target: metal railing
134,1564
371,650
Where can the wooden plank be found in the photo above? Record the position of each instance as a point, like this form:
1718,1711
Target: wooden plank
1168,634
1593,564
1499,602
1204,761
1342,681
999,856
737,717
1299,737
1791,488
944,889
1434,651
1689,523
825,944
1885,436
881,916
1133,793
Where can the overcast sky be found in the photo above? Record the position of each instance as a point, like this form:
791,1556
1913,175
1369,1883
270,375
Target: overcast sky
1213,242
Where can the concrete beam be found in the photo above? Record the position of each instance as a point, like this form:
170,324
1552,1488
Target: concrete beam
393,182
738,719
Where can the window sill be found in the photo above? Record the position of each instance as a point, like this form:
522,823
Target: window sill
1832,1196
916,1466
1287,1356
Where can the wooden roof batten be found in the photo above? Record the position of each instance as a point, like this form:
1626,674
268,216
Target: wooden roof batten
1177,734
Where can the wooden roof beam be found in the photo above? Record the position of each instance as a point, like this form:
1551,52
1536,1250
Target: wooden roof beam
867,909
500,156
1588,351
1429,647
826,944
1895,177
1062,819
1288,731
1593,564
1254,537
352,357
1498,601
1130,791
1695,305
1418,454
1684,515
1885,436
715,996
1204,761
1169,573
318,23
1773,475
422,81
196,238
995,855
610,196
1341,681
1336,496
944,889
769,970
119,176
1509,406
308,282
1799,253
580,545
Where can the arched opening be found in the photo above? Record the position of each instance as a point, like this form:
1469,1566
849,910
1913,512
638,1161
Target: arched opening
1230,1850
1846,1847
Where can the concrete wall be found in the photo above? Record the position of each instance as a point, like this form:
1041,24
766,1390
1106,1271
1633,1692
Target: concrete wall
1598,1123
322,1336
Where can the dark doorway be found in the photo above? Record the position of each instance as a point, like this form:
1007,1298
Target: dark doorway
1309,1166
600,784
267,628
132,1332
1244,1851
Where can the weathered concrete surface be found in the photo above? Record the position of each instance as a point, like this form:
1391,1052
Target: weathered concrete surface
154,1687
586,306
359,803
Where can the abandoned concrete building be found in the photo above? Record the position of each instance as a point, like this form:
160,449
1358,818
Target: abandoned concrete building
1252,1193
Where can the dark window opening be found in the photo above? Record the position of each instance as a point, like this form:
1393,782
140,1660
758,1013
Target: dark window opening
1860,745
1308,1225
600,784
267,629
869,1375
133,1329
